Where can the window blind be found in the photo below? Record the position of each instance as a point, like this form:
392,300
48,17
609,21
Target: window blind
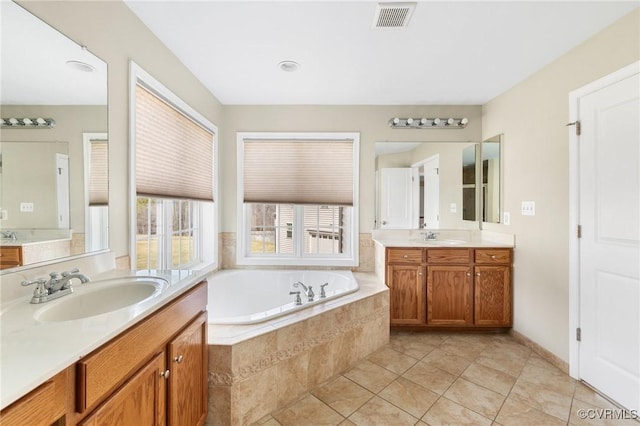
99,173
298,171
174,154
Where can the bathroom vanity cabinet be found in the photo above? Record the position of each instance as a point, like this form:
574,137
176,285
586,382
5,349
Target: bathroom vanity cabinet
450,287
10,257
153,373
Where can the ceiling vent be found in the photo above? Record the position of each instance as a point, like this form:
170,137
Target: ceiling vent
393,15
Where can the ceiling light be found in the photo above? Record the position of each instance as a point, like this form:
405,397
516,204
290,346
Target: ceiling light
27,123
289,66
81,66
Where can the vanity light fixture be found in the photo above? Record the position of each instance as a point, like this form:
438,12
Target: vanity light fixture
27,123
428,123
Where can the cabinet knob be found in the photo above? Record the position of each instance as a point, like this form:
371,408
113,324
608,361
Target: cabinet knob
178,359
420,273
493,256
164,374
477,274
468,274
406,256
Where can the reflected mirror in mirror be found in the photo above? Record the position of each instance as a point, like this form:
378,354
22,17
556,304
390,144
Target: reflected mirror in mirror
491,179
469,179
419,185
49,176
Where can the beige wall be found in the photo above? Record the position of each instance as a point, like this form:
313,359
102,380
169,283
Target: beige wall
112,32
71,123
370,121
532,116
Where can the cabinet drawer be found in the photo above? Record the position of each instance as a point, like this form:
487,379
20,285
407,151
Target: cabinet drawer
449,256
495,256
401,255
10,257
105,369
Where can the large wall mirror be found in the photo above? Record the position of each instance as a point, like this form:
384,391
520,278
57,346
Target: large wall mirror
53,180
420,185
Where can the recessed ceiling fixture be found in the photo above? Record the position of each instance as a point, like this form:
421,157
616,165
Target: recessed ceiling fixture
393,15
289,66
81,66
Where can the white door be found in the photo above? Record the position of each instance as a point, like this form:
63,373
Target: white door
432,193
396,198
62,188
609,255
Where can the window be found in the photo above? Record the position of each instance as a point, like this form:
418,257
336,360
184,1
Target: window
173,169
297,200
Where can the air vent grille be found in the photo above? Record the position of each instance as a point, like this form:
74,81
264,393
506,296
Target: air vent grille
393,15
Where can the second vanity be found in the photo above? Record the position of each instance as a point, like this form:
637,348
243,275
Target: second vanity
447,279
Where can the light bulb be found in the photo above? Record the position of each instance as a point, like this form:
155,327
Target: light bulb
396,121
464,121
41,121
450,122
2,122
436,121
423,121
409,121
13,121
27,121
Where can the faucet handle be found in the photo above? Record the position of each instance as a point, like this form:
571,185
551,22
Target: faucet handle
73,271
54,275
298,299
322,293
36,281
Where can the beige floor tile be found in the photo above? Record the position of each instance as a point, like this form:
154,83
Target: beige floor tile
515,413
371,376
540,397
502,362
392,360
307,411
549,376
430,377
271,422
446,412
453,364
347,422
412,398
343,395
476,398
489,378
461,347
409,345
381,413
597,415
430,338
511,348
586,394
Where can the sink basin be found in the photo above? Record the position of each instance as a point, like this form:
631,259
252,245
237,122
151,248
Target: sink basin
444,242
100,297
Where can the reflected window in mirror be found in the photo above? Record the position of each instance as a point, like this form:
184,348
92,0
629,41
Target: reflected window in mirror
491,179
469,187
51,219
96,171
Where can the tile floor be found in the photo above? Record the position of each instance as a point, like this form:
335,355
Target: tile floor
447,379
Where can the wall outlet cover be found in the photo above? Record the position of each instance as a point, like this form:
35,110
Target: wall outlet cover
4,214
453,208
506,218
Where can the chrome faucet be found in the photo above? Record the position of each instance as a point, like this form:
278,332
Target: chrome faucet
307,290
430,235
298,300
57,286
9,234
322,292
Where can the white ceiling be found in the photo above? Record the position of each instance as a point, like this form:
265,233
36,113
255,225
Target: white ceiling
34,70
452,52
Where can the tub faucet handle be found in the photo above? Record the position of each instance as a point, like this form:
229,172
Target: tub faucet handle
298,299
322,293
310,294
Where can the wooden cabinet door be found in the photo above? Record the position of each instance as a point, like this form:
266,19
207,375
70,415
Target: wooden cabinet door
492,294
188,386
449,295
140,401
406,294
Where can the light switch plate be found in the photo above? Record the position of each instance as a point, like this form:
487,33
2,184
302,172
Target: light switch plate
506,218
26,207
528,208
453,208
4,214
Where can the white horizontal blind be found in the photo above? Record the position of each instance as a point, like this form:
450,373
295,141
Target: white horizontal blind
298,171
99,174
174,154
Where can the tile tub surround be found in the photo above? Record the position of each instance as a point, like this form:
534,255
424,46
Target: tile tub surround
254,370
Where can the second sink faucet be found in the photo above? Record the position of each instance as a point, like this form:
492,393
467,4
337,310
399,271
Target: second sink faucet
57,286
307,290
430,235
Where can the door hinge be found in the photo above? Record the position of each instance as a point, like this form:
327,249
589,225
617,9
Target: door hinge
578,127
578,334
579,231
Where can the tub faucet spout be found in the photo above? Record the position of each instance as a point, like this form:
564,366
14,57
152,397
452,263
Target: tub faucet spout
308,291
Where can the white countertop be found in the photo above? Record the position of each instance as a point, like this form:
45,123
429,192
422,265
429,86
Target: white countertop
441,243
444,238
20,242
31,351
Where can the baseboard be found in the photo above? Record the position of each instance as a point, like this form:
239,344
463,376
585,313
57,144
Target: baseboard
539,350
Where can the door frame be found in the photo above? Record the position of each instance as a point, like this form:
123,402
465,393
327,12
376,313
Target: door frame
574,206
